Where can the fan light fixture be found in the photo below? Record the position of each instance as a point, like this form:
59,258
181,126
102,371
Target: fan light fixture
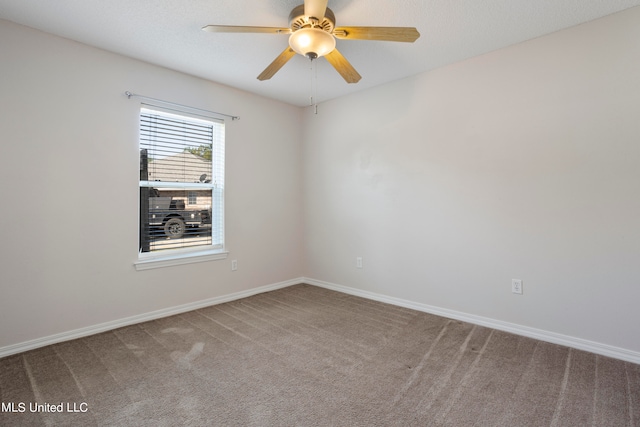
312,42
312,33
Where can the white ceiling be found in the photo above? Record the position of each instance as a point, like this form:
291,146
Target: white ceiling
167,33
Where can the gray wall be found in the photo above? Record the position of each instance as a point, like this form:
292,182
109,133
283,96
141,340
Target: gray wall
519,164
69,172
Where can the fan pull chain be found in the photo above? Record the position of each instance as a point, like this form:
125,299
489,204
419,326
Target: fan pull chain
314,86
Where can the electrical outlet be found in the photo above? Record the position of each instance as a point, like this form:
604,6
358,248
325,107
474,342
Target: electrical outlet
234,264
516,286
359,262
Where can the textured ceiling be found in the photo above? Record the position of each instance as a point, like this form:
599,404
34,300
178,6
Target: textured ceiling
167,33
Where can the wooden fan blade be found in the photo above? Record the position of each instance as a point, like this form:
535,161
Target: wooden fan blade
343,67
273,68
391,34
243,29
315,8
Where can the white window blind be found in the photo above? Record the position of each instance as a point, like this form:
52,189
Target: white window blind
181,182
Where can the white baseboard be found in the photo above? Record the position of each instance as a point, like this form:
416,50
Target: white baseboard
108,326
552,337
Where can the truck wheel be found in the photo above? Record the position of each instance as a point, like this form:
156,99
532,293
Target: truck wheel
174,228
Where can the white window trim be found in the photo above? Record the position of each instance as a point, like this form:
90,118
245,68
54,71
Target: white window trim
153,260
159,261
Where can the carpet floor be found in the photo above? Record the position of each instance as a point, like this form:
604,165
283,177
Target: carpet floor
307,356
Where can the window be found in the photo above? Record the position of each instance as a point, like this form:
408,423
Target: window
192,198
181,185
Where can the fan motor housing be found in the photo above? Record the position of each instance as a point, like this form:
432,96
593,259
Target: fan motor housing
298,20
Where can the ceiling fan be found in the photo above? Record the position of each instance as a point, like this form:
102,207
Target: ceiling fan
312,33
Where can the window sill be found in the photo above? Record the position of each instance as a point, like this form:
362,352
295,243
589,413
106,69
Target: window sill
179,259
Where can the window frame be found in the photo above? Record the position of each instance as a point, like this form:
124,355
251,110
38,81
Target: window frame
192,197
201,253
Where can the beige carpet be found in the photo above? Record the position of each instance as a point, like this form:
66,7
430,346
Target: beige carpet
306,356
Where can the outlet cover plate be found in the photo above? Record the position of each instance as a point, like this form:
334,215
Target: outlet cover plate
516,286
